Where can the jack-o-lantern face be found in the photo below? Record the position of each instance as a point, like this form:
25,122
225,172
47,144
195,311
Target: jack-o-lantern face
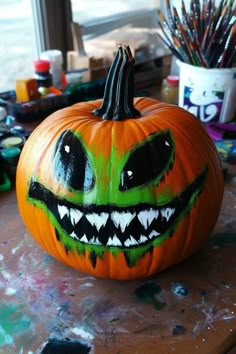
120,198
131,227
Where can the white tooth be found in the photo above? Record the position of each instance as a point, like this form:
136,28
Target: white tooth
95,241
143,239
62,211
97,220
114,241
75,216
84,239
147,216
154,234
130,242
73,235
122,219
166,213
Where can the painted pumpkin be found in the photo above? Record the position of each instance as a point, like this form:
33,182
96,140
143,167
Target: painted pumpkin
121,188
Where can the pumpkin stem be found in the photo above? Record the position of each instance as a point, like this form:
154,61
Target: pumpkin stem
119,91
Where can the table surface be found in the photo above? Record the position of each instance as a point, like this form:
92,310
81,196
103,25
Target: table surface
48,307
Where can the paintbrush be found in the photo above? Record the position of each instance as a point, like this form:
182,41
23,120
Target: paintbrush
169,14
216,32
180,49
164,21
173,50
232,59
230,39
204,36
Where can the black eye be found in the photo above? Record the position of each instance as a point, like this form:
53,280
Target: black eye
148,161
71,164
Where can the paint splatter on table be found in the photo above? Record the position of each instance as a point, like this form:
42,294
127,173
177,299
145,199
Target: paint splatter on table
47,307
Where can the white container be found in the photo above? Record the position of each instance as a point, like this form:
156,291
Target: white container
74,78
54,56
210,94
3,114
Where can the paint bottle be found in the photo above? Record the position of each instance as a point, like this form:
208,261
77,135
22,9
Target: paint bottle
55,58
10,157
42,73
170,89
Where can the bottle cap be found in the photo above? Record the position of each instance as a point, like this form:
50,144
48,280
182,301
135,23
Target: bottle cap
3,113
172,79
41,65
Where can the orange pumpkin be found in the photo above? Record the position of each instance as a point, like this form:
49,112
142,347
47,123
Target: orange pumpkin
121,188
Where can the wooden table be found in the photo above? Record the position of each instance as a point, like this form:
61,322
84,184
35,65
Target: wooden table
41,298
47,307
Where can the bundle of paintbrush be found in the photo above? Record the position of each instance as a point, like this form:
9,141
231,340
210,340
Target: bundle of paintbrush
205,35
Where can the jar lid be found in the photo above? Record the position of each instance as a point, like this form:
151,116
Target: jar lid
12,140
3,113
52,55
10,152
172,79
41,65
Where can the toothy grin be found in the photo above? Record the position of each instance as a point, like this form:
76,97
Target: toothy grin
120,227
112,226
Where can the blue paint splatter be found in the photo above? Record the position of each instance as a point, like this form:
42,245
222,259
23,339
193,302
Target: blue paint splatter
180,289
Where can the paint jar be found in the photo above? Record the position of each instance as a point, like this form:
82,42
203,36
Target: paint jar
5,183
55,58
209,94
12,140
3,114
170,89
42,73
10,157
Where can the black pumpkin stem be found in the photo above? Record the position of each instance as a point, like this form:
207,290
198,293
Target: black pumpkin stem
119,90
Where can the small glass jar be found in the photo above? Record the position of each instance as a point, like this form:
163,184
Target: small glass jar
170,89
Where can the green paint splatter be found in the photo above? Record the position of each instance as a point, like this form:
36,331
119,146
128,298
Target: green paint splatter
147,294
12,322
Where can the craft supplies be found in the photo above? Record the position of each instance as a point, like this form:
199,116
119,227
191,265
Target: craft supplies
170,89
10,157
208,93
26,89
42,73
203,36
5,183
3,114
12,140
55,58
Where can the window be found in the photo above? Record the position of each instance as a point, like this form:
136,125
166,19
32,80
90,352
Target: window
17,41
103,16
28,27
